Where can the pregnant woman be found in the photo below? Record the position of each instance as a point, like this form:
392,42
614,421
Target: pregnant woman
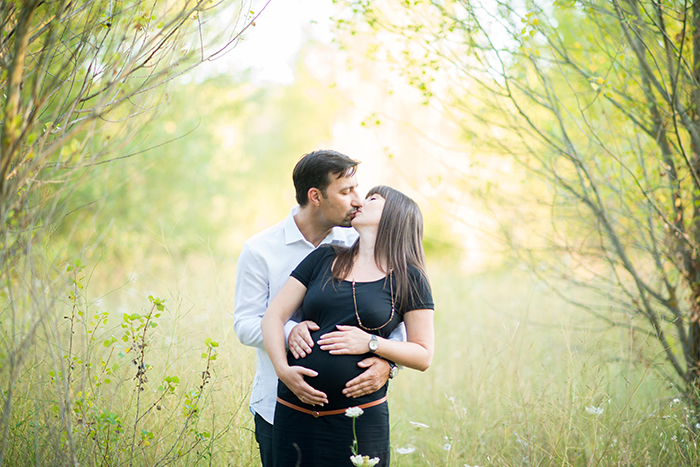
357,296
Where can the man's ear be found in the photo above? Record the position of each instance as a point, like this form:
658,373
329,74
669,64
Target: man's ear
315,196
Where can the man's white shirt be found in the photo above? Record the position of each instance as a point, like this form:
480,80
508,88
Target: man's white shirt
264,265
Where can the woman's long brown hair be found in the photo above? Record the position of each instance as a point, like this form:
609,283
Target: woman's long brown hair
399,244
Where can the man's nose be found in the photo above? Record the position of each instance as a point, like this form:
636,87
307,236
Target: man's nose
357,201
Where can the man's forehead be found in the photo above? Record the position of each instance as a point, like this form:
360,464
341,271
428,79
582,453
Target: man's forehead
345,182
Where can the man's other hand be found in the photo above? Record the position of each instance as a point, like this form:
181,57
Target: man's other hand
371,380
300,341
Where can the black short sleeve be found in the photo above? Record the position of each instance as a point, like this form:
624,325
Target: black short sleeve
421,296
310,266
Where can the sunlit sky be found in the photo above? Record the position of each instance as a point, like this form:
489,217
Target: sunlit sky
269,49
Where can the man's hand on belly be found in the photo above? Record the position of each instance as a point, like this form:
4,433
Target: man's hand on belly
371,380
300,341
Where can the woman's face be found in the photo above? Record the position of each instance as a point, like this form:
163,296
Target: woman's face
371,211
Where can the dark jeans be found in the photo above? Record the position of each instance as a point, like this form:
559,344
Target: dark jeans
263,435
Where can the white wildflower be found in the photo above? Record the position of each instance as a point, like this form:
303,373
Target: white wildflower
447,446
406,450
697,425
675,401
354,412
419,425
594,410
467,465
360,460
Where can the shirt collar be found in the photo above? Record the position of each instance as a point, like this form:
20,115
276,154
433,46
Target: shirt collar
292,234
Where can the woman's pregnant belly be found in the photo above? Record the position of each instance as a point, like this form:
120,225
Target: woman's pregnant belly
334,371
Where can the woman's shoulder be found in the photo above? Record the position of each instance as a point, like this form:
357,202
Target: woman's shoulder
320,255
421,294
324,252
417,274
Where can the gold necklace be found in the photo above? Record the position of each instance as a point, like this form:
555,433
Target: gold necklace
354,300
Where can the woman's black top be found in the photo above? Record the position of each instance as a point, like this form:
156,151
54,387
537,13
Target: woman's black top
328,303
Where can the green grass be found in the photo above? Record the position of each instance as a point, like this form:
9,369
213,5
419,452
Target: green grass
514,370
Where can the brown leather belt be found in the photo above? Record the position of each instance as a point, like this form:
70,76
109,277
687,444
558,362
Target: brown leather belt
323,413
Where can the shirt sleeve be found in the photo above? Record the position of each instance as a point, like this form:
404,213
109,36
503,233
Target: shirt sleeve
251,297
421,296
307,269
398,334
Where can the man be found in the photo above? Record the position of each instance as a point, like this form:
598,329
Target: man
325,182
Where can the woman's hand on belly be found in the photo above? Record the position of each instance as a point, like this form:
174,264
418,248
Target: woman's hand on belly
293,377
347,340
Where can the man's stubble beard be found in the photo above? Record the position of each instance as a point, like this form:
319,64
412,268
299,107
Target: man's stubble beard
347,221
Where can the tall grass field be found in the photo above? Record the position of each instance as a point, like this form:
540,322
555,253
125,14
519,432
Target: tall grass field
134,368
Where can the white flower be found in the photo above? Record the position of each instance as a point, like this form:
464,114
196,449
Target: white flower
594,410
697,425
675,401
354,412
419,425
467,465
360,460
407,450
447,446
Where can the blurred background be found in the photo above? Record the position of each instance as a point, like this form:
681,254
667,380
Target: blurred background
521,375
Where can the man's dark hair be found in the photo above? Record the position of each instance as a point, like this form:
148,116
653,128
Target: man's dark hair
314,170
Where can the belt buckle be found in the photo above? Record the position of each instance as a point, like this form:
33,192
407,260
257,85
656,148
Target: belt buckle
315,414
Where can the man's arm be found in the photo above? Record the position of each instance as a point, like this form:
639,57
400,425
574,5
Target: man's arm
251,297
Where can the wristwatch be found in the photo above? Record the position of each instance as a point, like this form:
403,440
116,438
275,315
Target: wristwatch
373,344
394,371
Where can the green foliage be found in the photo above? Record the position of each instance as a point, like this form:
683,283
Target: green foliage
596,102
192,188
96,365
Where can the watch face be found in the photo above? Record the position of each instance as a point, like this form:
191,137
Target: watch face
373,344
394,371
